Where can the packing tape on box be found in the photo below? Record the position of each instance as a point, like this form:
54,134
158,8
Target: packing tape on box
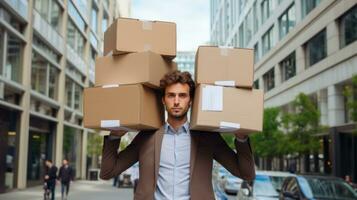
110,86
224,50
212,98
110,53
109,123
225,83
147,47
147,25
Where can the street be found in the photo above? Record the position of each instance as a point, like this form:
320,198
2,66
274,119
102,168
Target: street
80,190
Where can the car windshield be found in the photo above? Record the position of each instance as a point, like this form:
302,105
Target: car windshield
277,181
322,188
263,187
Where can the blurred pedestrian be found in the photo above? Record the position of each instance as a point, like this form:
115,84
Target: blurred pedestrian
348,179
135,176
50,177
65,176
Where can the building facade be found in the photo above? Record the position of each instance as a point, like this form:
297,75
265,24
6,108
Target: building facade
304,46
47,52
186,61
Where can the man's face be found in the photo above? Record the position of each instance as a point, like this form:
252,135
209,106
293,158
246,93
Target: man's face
64,162
177,100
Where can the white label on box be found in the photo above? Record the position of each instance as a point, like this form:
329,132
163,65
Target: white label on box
109,123
225,83
110,86
147,25
212,98
227,127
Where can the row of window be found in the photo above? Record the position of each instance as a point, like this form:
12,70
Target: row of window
315,50
251,22
45,68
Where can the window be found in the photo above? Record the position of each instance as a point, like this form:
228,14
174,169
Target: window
2,42
94,18
316,48
256,52
268,78
74,94
348,27
287,21
227,20
267,8
249,27
256,84
73,12
12,20
255,20
308,6
104,22
74,73
75,38
44,76
50,11
288,67
72,140
45,49
13,58
241,35
268,40
69,92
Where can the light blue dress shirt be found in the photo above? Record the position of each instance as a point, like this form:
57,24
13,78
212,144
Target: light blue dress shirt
174,168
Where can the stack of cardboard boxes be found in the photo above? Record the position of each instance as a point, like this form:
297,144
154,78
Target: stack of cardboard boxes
224,99
137,55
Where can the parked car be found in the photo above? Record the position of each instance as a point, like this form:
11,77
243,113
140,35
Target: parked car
231,184
260,189
312,187
277,178
218,193
219,173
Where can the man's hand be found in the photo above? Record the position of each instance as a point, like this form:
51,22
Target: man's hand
47,177
241,136
119,133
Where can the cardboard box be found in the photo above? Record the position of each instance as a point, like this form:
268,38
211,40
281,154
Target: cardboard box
127,107
132,35
227,109
224,66
145,67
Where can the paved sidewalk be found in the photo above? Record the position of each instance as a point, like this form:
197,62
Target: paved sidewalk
80,190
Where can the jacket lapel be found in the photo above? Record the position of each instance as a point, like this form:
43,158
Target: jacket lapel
158,142
194,147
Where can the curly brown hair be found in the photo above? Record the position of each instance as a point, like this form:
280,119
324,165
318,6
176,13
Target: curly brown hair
177,77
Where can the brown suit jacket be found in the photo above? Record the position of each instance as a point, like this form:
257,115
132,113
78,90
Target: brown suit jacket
205,147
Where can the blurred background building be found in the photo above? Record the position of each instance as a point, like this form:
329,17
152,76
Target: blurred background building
300,46
47,54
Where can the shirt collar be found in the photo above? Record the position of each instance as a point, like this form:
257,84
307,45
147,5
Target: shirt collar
184,127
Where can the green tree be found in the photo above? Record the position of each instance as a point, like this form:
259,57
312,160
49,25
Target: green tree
350,92
271,141
94,147
301,126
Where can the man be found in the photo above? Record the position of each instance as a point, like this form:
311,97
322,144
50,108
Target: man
65,175
174,162
50,177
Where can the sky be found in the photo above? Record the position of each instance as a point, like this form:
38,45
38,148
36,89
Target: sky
191,17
